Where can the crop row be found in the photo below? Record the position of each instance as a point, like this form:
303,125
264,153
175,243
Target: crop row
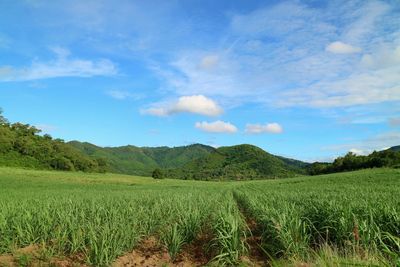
294,224
353,217
101,227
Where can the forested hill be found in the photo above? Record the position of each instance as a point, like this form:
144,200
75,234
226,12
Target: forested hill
21,145
143,160
195,161
241,162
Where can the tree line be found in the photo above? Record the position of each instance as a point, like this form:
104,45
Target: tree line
352,162
22,145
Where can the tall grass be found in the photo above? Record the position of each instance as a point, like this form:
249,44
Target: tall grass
347,217
230,232
100,221
301,216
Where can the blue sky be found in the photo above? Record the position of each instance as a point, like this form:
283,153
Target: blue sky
304,79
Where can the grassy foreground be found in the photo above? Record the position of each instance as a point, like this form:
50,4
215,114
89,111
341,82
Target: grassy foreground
338,219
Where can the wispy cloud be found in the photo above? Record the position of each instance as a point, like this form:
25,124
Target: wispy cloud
286,55
121,95
197,104
359,151
216,127
274,128
62,66
366,146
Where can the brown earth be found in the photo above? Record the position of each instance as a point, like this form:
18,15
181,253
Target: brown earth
31,256
256,255
150,253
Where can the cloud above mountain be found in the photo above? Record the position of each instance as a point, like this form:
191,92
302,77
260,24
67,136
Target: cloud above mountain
274,128
216,127
197,104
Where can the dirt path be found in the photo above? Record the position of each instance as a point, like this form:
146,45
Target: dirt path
256,255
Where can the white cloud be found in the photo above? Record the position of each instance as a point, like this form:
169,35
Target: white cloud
216,127
274,128
359,151
121,95
342,48
197,104
62,66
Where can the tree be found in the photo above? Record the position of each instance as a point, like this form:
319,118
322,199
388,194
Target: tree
157,174
102,164
6,139
2,119
61,163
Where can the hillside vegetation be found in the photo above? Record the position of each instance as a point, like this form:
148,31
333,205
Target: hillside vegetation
350,162
241,162
196,161
395,148
143,160
22,145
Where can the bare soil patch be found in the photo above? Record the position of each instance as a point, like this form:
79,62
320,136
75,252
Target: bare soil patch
150,253
31,256
196,253
256,255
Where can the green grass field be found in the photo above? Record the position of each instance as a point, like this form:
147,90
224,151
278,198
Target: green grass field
93,219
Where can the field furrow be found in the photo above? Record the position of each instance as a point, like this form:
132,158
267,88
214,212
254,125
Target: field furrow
103,220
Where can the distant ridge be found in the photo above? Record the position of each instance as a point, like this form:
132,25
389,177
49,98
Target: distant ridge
195,161
395,148
143,160
240,162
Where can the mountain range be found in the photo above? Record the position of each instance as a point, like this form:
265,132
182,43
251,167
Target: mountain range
22,145
195,161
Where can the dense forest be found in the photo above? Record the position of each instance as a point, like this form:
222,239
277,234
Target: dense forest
21,145
240,162
143,160
195,161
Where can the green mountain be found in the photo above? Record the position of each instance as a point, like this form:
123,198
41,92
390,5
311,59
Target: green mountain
195,161
23,145
241,162
143,160
395,148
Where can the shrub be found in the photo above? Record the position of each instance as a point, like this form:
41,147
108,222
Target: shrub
157,174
